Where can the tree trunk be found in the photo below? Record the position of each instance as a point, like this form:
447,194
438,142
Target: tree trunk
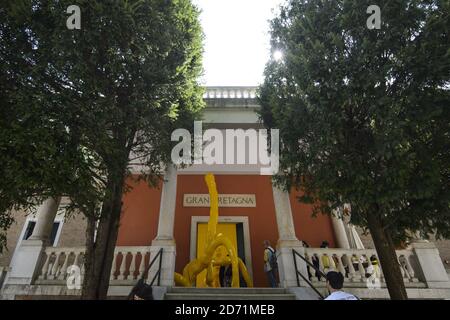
387,255
89,259
100,251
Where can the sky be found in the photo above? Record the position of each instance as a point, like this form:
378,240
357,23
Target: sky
237,42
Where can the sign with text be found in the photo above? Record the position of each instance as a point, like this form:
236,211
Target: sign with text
225,200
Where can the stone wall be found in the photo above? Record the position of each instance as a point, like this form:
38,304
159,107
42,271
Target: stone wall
12,236
72,234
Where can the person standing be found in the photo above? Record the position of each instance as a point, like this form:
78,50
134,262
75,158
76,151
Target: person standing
335,282
225,276
270,264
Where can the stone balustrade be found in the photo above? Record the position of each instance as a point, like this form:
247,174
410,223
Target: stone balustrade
129,264
56,262
230,93
358,266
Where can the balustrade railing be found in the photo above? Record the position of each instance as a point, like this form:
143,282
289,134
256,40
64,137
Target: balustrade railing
56,262
230,93
356,265
129,263
299,275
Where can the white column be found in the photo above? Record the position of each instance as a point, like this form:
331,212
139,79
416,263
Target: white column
287,241
168,203
283,211
27,259
165,238
45,218
353,238
339,231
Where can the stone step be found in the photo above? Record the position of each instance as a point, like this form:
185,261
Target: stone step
182,293
236,296
228,290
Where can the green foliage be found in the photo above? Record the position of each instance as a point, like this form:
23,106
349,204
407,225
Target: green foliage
364,114
79,106
38,156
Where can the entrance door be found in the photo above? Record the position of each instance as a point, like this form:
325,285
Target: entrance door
229,230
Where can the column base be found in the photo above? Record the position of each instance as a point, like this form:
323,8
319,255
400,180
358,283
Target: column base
26,262
286,266
167,263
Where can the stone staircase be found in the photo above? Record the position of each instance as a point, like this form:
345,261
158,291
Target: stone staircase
180,293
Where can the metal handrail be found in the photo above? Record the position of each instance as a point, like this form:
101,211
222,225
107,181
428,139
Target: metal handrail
311,265
158,273
298,273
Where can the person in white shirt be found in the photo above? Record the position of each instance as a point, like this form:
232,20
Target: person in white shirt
335,282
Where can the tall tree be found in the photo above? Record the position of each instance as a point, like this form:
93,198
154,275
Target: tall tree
363,115
38,156
121,84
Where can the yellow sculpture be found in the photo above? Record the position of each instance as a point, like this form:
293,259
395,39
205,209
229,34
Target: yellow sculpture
212,257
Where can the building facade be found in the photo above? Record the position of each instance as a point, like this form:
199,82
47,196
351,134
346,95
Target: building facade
44,247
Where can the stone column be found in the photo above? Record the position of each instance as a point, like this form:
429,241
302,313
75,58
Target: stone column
27,260
430,262
165,238
167,207
339,231
45,219
283,212
287,241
